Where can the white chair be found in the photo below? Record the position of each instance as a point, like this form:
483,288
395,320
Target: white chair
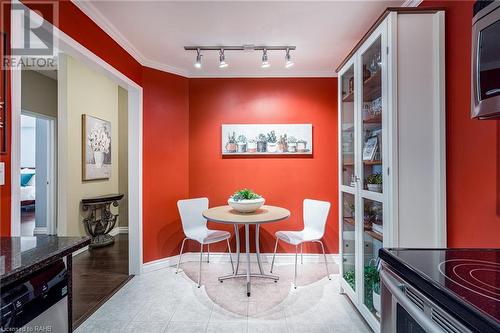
315,214
195,228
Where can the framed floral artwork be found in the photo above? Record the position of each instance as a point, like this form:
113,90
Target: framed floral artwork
96,150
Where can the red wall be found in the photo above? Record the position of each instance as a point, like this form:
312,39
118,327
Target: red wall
165,161
473,185
282,181
5,192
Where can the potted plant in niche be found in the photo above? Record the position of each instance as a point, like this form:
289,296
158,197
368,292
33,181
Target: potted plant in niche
282,144
302,146
272,145
261,143
374,182
251,146
242,143
231,146
292,145
245,201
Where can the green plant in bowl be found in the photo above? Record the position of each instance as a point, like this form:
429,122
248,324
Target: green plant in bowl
245,194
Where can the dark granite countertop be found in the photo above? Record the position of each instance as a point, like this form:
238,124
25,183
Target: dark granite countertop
20,256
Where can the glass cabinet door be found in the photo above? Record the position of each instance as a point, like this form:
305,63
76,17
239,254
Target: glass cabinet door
371,115
373,240
349,240
371,175
347,128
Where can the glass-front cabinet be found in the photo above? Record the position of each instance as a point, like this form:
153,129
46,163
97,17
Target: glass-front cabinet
392,159
362,177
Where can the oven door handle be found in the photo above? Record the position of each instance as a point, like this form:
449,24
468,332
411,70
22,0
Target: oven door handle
418,315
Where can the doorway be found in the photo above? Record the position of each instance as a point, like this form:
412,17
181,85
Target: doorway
37,192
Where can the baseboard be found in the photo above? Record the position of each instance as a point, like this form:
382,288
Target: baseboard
40,231
217,257
83,249
114,232
119,230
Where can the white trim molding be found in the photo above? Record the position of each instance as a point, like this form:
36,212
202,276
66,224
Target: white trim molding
218,257
411,3
118,230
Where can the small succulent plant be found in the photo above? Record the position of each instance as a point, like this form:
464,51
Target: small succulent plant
283,139
242,138
245,194
231,137
292,139
262,138
375,178
271,137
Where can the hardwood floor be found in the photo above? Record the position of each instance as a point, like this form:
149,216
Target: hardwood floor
97,275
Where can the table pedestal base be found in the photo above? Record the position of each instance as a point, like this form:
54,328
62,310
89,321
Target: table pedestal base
248,273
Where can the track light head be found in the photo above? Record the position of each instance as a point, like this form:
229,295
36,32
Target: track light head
197,63
222,59
265,60
288,60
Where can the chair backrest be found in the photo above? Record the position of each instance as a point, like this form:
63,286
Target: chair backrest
315,216
191,211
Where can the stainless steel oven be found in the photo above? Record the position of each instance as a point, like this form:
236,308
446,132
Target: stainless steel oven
407,310
486,60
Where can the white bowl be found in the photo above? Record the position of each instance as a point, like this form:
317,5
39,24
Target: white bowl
246,206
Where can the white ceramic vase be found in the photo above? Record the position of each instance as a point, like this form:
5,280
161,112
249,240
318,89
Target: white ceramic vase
98,159
272,147
246,206
375,187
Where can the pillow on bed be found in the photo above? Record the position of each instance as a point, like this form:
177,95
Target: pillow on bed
32,181
25,179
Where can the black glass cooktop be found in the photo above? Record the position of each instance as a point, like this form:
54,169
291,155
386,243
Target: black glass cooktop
460,278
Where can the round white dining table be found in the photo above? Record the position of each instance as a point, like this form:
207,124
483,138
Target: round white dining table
265,214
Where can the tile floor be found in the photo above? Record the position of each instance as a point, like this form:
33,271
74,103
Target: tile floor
162,301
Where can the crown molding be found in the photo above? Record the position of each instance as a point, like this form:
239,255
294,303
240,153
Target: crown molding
411,3
166,68
316,74
95,15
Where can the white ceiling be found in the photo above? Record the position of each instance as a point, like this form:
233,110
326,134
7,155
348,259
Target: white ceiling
155,33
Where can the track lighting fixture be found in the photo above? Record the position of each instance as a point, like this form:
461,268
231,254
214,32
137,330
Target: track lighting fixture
288,61
197,64
265,60
222,59
246,48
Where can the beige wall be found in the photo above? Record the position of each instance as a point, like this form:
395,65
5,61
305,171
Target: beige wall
38,93
82,91
123,155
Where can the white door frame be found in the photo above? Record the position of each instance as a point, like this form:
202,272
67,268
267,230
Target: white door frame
69,46
51,228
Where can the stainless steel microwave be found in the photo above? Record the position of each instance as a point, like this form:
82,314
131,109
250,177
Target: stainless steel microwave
486,60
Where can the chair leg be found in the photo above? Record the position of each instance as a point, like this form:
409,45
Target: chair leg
180,255
208,253
230,255
326,263
301,255
201,259
295,276
274,254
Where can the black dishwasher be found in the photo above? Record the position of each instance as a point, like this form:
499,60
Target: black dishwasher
38,302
